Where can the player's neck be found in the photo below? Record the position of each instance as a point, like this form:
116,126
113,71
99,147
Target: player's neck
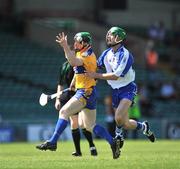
115,48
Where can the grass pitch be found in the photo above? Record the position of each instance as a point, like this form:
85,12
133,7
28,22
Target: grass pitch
139,154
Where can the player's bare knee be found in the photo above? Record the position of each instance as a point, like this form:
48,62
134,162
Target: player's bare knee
74,124
126,125
63,113
89,127
119,119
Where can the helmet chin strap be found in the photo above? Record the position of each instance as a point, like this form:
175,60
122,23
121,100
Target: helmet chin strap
84,46
112,45
116,42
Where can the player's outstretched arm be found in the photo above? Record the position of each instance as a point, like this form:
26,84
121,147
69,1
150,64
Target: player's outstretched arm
70,55
104,76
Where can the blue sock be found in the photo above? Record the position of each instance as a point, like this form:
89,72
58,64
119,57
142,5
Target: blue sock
103,133
60,126
140,126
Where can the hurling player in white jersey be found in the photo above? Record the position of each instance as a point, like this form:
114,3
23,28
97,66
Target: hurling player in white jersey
120,75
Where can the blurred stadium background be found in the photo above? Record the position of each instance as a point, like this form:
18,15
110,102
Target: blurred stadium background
30,60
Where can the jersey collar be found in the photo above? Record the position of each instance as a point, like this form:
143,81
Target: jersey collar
86,51
118,50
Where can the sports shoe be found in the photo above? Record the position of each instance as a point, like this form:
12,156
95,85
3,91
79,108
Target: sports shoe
47,146
76,154
149,134
115,149
119,137
119,141
93,151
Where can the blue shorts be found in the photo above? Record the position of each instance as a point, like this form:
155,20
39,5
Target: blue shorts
87,96
126,92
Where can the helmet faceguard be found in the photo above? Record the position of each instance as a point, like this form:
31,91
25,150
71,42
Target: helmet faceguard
115,36
84,38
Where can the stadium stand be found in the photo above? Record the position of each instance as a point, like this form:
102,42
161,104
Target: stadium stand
26,71
28,68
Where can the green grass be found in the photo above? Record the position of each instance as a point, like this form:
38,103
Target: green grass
139,154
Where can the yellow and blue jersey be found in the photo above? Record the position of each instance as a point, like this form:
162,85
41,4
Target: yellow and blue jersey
89,64
86,86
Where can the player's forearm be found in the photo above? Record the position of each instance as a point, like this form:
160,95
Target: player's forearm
59,88
70,55
106,76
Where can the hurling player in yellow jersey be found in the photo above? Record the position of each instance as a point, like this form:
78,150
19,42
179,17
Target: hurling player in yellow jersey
83,59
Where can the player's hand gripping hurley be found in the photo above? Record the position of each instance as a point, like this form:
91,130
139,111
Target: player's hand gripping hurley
44,98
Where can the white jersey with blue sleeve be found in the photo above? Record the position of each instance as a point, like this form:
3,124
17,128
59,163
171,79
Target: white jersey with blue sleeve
120,63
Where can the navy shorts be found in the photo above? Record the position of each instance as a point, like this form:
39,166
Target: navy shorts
88,97
126,92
